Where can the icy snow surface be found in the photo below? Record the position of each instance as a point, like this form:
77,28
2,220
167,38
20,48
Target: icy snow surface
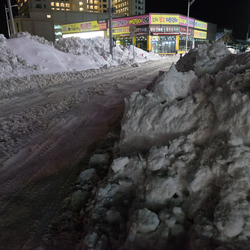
182,179
183,171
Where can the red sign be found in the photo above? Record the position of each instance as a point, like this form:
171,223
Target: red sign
183,29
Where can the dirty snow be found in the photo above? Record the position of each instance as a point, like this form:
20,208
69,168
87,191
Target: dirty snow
181,180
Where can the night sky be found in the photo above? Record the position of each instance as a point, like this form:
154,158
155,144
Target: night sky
233,15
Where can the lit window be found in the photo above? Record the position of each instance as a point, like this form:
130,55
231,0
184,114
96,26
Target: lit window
95,2
80,3
21,4
95,7
67,5
57,4
52,4
48,16
81,9
25,1
57,8
67,9
62,9
91,1
62,4
53,8
91,7
87,6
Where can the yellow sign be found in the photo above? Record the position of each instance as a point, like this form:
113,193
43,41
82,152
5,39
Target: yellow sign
81,27
165,19
200,34
122,30
177,42
149,43
200,25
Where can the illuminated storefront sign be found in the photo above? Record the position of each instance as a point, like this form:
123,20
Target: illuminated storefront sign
121,30
164,19
200,25
183,31
183,21
125,30
200,34
86,26
171,19
128,21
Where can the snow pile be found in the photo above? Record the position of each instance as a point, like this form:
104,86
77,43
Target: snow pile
26,55
11,63
28,63
99,46
181,180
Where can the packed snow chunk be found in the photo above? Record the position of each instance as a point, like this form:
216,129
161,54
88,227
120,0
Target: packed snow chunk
147,221
208,56
159,190
134,170
157,158
233,112
167,217
86,176
113,216
148,122
229,219
119,164
202,178
186,62
173,84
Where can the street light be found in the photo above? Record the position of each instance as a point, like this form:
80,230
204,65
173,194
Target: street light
189,4
13,31
7,19
111,10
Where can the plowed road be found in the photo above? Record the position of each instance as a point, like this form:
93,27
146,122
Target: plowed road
48,135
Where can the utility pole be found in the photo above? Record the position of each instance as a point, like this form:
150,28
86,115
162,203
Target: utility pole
189,4
13,31
110,10
7,19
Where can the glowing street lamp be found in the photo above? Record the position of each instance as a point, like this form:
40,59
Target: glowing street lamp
189,4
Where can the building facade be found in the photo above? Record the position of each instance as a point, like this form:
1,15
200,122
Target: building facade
44,17
159,33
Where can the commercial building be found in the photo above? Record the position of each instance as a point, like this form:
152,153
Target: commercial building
44,17
160,33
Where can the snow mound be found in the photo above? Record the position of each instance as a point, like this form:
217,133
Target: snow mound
66,55
183,170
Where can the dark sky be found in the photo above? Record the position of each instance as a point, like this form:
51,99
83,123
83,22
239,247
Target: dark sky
226,14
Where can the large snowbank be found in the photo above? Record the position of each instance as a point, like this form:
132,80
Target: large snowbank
28,62
183,171
25,54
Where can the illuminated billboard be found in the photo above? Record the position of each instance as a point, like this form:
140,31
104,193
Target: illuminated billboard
170,19
85,26
121,30
200,34
128,21
200,25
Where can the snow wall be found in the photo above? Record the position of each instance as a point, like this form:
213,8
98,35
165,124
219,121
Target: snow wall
182,176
